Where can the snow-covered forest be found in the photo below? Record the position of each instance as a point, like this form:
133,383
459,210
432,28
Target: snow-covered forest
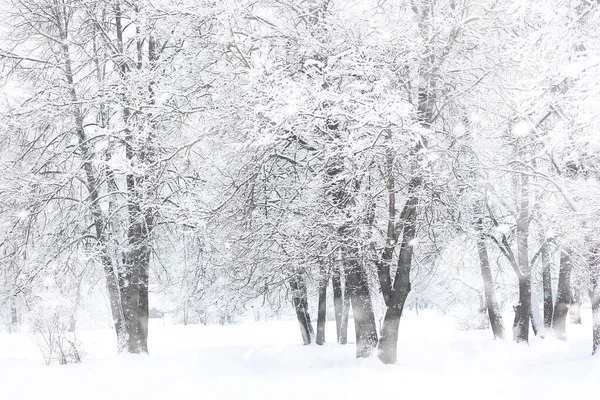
399,180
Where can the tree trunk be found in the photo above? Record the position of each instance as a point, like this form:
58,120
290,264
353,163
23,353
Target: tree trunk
388,345
338,300
362,308
563,296
14,317
537,321
488,287
141,219
343,337
547,287
523,309
395,296
91,181
594,292
322,310
595,299
575,308
299,299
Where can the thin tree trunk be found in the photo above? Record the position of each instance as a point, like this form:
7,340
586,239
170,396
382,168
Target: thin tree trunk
343,337
563,296
322,309
537,321
338,300
14,317
547,287
595,299
594,292
523,309
488,287
575,308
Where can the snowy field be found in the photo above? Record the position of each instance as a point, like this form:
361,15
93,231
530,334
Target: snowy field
255,360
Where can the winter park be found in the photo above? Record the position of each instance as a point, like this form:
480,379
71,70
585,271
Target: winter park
291,199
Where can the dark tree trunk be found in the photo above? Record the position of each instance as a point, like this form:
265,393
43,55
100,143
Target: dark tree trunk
300,301
322,310
595,299
338,299
388,344
547,286
522,311
563,296
488,287
362,308
140,188
594,269
537,329
395,293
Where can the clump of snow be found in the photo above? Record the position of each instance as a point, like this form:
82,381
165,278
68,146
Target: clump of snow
503,229
522,128
475,118
23,214
459,129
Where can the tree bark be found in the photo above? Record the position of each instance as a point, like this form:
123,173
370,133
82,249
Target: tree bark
547,287
338,299
523,308
537,321
322,309
563,296
595,299
488,286
395,295
594,292
362,308
575,307
343,337
300,301
135,289
14,317
522,311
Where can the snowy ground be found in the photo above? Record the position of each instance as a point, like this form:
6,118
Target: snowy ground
266,361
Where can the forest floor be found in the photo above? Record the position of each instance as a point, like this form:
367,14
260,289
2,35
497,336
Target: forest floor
264,360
